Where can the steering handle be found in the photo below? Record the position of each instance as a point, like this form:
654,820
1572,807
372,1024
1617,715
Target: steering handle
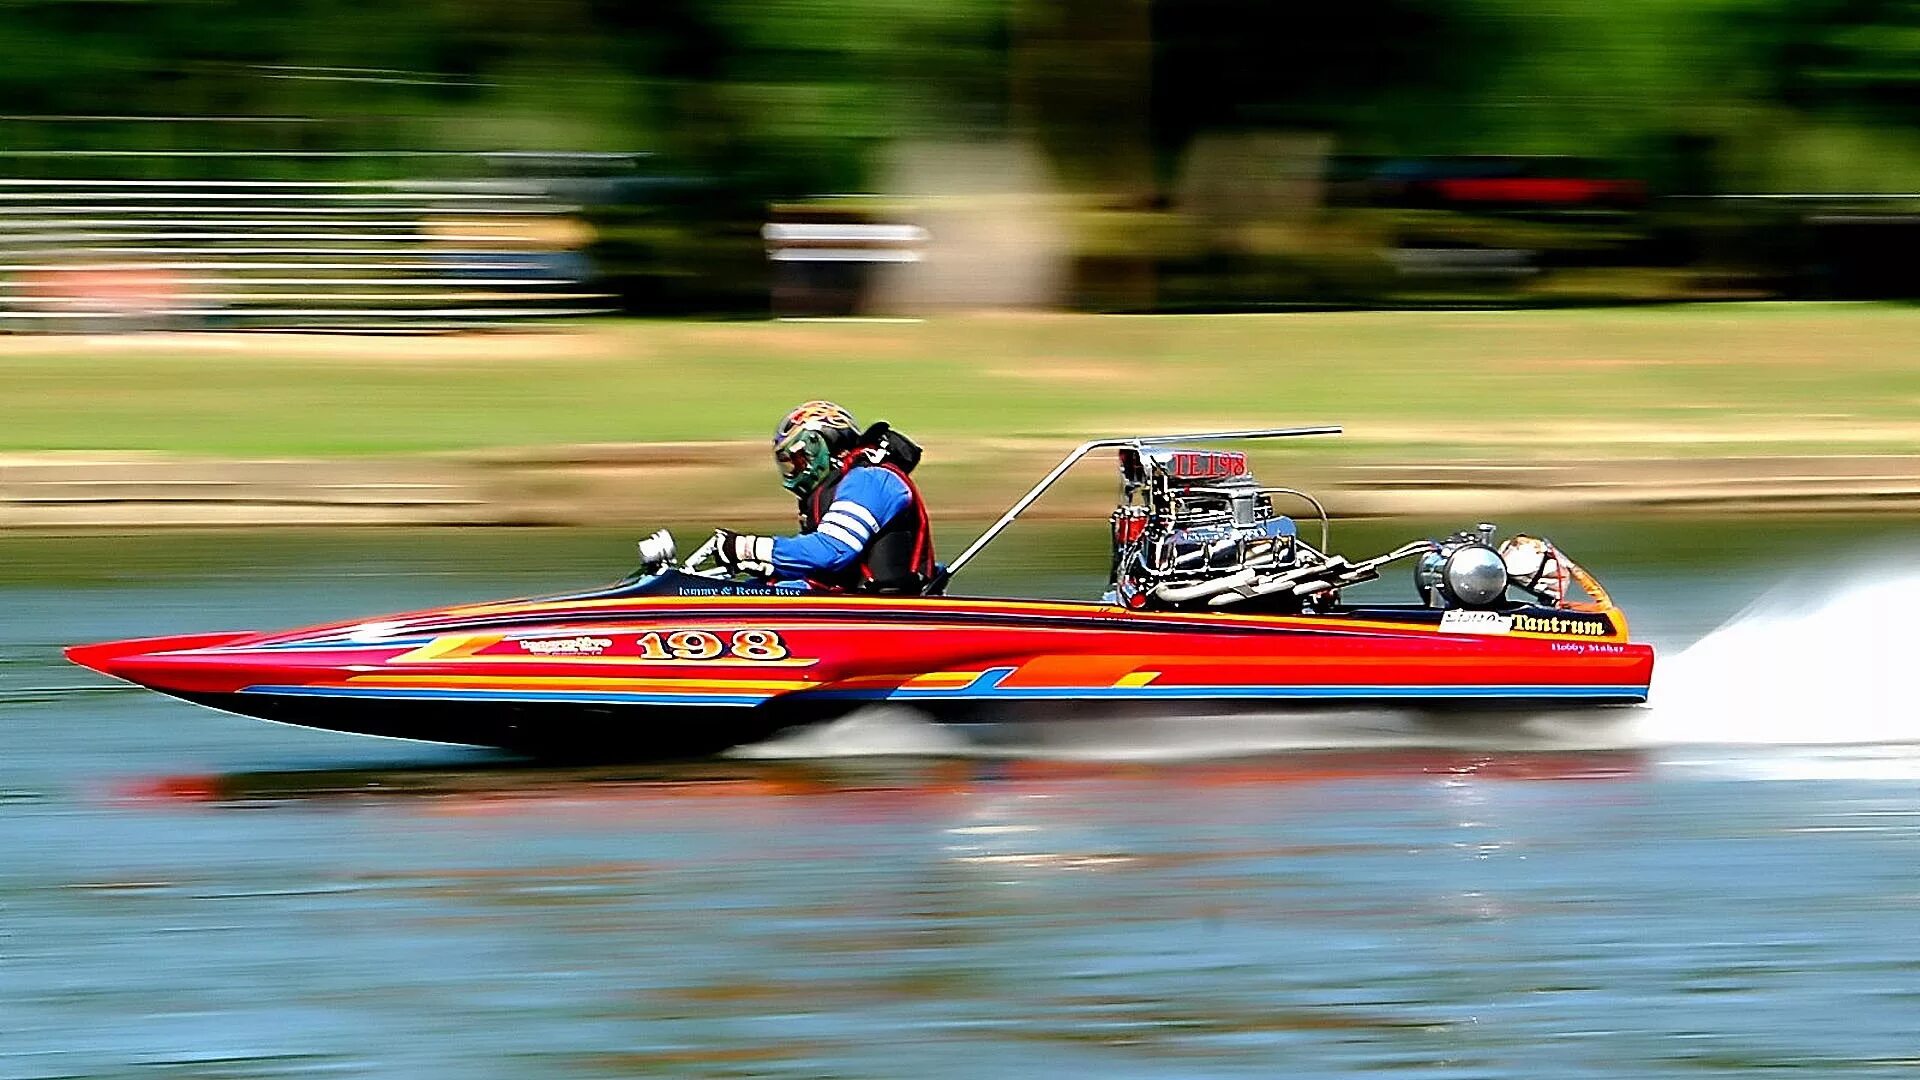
700,556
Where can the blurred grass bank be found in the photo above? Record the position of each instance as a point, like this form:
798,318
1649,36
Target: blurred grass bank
1813,406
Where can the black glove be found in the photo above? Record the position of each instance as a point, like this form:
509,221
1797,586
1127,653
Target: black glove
740,553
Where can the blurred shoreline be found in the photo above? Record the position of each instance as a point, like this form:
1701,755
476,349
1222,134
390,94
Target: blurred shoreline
1695,409
627,485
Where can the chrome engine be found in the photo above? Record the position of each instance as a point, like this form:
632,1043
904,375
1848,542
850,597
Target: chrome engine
1194,523
1194,529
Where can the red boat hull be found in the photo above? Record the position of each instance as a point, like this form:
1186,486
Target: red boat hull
665,675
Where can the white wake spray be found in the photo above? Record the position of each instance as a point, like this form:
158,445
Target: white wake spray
892,731
1797,670
878,731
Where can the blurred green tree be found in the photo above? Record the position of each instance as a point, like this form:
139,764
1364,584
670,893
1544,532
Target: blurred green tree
796,96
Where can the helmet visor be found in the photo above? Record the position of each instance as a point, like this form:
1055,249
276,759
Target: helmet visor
793,463
796,459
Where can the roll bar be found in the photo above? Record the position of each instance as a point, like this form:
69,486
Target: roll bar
1137,441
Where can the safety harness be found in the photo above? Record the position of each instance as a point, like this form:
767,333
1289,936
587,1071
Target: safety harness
899,557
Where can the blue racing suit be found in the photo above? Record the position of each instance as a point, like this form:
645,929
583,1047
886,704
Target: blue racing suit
863,529
863,503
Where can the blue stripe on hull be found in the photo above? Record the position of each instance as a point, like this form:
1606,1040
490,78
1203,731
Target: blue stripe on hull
588,697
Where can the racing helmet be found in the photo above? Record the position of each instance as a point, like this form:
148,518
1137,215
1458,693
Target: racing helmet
805,443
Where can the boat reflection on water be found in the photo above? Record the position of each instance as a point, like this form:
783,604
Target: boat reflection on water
691,788
1001,822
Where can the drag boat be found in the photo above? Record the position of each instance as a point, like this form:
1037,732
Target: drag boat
1215,602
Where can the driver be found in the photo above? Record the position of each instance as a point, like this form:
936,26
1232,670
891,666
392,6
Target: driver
863,526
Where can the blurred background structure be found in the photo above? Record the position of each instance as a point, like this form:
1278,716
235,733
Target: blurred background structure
404,254
471,162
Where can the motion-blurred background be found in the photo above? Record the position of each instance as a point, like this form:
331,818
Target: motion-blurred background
469,162
981,181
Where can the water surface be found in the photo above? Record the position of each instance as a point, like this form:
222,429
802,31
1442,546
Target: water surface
1688,890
